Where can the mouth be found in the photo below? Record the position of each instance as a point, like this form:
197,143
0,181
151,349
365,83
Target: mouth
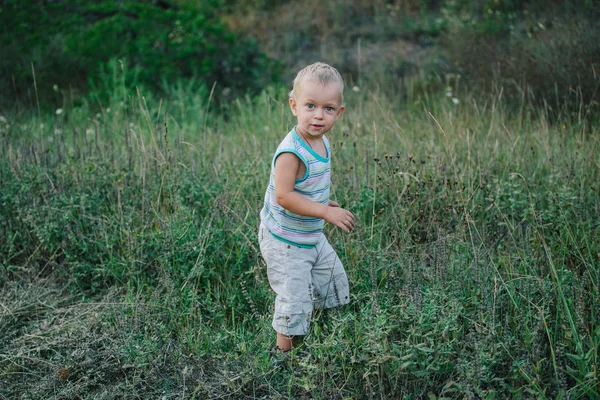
317,126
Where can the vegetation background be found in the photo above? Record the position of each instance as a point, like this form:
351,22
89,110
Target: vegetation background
136,138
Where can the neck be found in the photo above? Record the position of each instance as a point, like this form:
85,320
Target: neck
305,139
303,136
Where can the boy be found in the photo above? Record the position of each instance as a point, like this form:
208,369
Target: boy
303,269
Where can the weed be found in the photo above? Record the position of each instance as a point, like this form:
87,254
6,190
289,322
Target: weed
130,264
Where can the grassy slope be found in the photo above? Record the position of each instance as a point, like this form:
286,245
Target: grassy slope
130,266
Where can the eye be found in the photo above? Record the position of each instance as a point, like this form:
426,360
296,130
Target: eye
330,109
310,106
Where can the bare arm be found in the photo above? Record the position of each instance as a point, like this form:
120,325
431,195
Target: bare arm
286,169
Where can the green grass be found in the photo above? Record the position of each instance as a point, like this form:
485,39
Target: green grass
131,269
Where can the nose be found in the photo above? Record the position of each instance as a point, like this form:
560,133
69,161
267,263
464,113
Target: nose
319,113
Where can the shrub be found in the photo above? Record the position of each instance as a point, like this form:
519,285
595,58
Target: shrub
547,53
160,40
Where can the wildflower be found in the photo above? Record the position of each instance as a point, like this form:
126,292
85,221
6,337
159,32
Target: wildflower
455,100
355,89
55,87
59,111
3,120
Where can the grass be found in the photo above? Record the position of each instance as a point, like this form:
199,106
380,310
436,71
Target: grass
130,264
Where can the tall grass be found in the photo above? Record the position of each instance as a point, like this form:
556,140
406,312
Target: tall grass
130,265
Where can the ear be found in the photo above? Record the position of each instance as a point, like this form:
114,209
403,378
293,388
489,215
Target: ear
340,112
294,106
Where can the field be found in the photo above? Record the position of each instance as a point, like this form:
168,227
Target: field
131,269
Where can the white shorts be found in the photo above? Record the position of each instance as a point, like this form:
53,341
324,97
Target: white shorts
303,279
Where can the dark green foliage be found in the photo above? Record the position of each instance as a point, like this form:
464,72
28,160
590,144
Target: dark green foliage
535,50
70,43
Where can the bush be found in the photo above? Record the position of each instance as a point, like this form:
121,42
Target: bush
547,53
161,41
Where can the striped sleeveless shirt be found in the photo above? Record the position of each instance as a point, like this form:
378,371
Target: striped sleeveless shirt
283,224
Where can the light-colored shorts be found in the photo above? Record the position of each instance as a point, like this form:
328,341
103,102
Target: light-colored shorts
303,279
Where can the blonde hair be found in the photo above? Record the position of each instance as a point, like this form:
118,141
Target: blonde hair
321,72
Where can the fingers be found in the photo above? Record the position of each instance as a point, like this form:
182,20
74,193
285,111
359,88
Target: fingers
341,218
347,222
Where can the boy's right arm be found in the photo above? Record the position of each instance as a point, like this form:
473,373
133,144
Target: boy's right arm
286,169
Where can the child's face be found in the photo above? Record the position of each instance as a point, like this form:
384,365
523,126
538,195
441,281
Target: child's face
317,107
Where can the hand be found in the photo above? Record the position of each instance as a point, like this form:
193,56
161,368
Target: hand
341,218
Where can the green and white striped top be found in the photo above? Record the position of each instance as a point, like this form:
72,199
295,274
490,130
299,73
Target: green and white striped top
283,224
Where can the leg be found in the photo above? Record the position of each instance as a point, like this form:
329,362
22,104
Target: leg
284,342
329,278
288,270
